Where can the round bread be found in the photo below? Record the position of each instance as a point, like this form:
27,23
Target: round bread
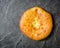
36,23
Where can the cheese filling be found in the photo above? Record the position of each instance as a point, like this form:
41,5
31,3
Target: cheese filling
36,23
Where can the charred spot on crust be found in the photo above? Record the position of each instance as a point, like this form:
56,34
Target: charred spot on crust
36,10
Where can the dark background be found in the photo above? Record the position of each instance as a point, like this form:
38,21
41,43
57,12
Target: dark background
10,34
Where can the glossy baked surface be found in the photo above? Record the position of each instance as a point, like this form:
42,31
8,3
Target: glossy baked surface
36,23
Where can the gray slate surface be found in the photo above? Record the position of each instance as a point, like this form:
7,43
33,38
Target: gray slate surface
10,13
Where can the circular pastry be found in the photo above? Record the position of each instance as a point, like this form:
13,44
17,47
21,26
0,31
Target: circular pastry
36,23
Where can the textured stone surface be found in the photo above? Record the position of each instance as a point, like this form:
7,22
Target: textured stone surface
10,13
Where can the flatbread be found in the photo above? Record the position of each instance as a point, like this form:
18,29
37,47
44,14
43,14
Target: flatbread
36,23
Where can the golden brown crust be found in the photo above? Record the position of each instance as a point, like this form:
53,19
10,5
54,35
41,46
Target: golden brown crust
36,23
